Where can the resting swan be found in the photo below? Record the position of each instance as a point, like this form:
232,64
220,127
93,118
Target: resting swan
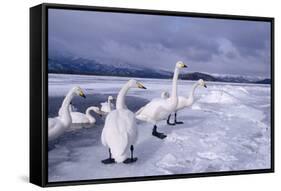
184,102
58,125
80,120
120,132
159,109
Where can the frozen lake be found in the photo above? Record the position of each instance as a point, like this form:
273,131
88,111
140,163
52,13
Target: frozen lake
226,129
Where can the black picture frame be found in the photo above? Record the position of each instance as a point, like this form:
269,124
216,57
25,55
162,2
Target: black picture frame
39,93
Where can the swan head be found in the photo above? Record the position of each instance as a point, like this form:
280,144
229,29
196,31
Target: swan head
165,95
202,83
96,110
78,91
180,64
135,84
110,98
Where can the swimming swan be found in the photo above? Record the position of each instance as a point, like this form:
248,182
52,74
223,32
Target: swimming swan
80,120
107,107
120,132
58,125
159,108
184,102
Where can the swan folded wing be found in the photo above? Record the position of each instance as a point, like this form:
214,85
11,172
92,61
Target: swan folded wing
105,107
183,102
78,117
155,109
115,136
130,128
54,128
140,110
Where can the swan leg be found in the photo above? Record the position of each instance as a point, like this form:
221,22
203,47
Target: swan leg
168,120
132,159
109,160
157,134
177,122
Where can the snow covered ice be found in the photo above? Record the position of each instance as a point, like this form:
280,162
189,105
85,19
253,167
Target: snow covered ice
226,129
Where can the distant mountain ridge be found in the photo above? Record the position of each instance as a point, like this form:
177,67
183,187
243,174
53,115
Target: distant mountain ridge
71,65
223,78
67,65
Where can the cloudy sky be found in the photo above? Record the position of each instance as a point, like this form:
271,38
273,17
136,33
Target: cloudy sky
206,45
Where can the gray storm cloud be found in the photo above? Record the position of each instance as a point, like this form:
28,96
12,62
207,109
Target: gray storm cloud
207,45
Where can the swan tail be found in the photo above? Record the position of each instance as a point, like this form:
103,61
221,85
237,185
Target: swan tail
119,158
139,111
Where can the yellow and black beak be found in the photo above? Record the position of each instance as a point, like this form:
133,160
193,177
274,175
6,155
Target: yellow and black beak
205,86
82,94
140,85
183,66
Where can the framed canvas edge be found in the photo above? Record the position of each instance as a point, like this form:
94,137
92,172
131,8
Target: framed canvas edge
44,75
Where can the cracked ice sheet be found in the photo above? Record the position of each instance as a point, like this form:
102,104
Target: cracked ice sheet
227,128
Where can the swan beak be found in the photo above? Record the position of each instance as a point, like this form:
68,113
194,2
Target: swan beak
82,94
205,86
141,86
184,66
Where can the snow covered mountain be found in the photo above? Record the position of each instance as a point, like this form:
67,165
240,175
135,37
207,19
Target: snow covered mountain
68,65
225,78
78,65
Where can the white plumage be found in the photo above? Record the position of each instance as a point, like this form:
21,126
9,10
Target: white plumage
80,120
184,102
58,125
108,106
160,108
120,132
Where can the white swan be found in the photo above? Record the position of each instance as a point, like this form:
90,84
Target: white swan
58,125
107,107
120,132
165,95
80,120
159,108
184,102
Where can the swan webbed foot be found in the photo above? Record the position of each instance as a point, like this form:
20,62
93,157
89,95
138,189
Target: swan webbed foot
108,161
130,160
168,120
172,124
179,122
157,134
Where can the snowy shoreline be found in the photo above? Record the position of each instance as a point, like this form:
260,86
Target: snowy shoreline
228,128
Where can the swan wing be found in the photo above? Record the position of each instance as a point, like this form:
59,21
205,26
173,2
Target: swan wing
119,132
78,117
105,107
183,102
140,110
155,110
55,128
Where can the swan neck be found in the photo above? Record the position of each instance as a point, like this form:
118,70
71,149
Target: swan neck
66,102
120,102
65,113
109,103
191,94
174,85
89,115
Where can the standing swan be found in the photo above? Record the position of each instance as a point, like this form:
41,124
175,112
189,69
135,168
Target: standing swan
80,120
184,102
58,125
120,132
159,109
